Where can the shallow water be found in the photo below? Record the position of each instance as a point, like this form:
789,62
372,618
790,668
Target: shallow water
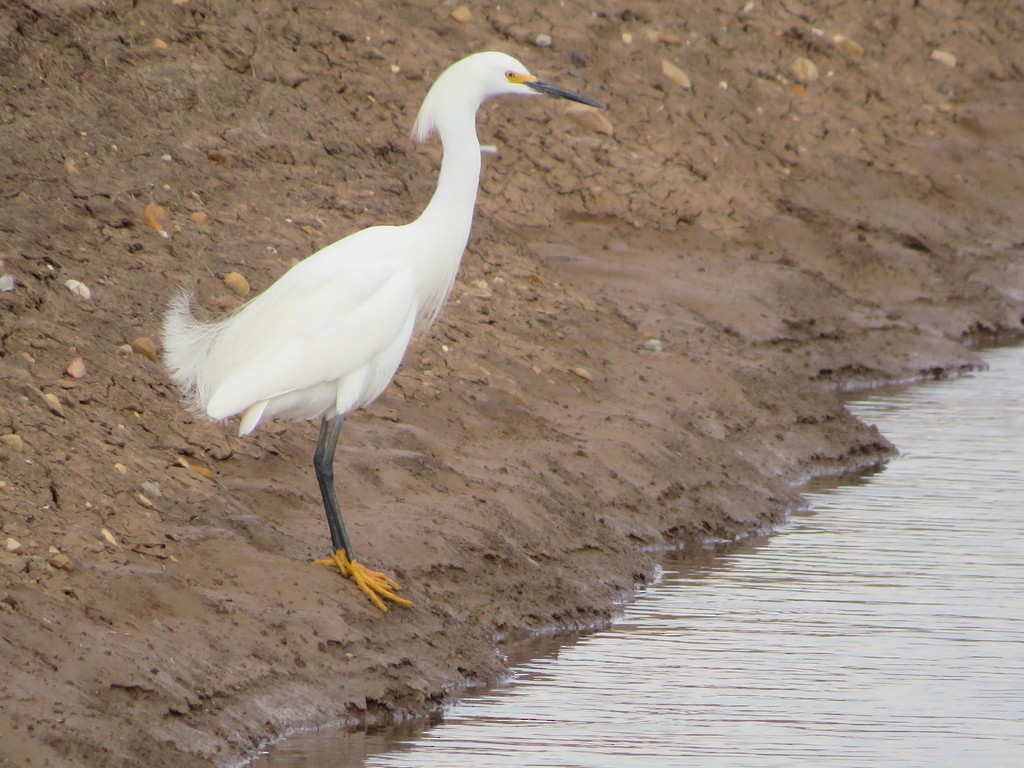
884,627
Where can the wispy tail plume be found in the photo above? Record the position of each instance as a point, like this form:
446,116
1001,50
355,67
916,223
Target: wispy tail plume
188,343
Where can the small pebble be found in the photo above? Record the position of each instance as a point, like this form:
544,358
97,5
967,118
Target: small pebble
76,368
542,40
145,346
156,217
53,403
199,469
462,14
12,545
591,119
847,46
627,38
199,218
160,44
654,36
675,74
144,500
78,288
236,282
804,70
70,167
944,57
109,537
654,345
12,441
152,490
121,468
7,283
61,561
583,373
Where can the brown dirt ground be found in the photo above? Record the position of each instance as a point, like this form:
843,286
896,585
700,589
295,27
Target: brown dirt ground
784,242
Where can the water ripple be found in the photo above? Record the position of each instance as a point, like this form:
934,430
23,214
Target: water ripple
883,627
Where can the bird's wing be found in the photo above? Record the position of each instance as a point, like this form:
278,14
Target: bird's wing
325,318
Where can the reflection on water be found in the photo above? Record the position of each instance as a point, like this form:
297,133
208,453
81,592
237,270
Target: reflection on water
884,627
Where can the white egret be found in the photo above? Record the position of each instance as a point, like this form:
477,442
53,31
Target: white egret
328,336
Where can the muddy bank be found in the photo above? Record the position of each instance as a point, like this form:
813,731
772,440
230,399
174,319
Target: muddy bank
779,240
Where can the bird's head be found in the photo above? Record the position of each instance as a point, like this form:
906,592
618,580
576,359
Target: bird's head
467,83
502,74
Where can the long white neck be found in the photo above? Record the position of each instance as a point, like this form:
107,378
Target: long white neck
442,230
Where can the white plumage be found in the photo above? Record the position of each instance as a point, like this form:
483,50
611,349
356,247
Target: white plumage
329,335
290,353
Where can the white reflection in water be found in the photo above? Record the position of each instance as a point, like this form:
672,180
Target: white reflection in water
885,627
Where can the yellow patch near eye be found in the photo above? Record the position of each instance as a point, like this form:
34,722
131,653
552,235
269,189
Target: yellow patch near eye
516,77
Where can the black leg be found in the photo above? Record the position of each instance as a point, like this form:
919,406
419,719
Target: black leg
323,463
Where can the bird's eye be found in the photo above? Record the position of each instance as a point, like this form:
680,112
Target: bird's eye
510,75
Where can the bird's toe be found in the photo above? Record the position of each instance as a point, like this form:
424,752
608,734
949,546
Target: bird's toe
376,585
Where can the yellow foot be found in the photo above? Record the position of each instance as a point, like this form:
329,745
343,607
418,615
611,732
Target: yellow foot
374,583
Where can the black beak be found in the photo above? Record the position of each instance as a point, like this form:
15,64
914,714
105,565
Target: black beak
562,93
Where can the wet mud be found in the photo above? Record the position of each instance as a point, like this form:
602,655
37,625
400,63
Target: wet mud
648,342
